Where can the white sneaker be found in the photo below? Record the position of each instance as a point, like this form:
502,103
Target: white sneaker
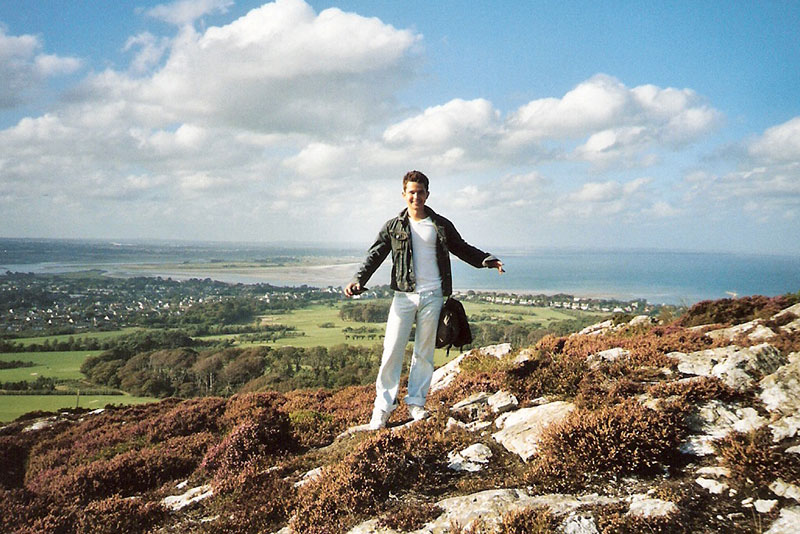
417,412
379,418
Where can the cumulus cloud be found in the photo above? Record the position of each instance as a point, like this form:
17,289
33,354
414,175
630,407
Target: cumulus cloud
187,11
614,125
605,199
24,68
780,143
279,68
766,183
151,50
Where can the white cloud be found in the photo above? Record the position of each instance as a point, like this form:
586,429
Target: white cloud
618,126
780,143
320,159
24,69
279,68
604,199
151,51
184,12
458,122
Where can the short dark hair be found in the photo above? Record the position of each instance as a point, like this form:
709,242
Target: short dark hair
415,176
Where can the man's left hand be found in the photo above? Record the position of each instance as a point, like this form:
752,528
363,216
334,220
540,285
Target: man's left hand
496,264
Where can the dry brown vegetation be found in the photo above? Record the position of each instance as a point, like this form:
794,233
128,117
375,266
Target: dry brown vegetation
108,472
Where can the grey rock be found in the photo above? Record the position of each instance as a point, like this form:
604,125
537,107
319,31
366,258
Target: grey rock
754,330
785,427
780,391
781,488
645,506
471,459
717,472
736,366
188,498
521,430
793,326
794,310
597,328
787,522
712,486
765,506
502,401
579,523
641,320
609,355
715,420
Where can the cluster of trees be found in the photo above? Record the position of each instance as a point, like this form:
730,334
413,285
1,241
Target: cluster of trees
523,334
42,385
187,372
15,364
369,312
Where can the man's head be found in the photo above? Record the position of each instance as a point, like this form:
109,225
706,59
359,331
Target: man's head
415,193
415,176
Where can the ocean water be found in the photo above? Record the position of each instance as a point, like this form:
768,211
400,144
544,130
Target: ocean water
657,276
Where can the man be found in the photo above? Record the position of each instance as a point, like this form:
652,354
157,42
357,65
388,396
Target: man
420,242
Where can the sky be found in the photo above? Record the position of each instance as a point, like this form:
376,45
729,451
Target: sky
547,124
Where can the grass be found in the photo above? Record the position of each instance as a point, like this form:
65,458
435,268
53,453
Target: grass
57,365
13,406
308,320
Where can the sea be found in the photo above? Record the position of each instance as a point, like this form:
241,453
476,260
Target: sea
658,276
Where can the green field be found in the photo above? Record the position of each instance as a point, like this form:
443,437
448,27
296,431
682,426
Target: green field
58,365
13,406
309,320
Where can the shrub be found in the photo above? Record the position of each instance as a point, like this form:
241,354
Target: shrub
359,484
695,390
549,373
754,456
614,519
410,516
528,521
624,439
596,390
186,418
116,515
735,311
253,500
12,462
127,473
312,429
243,407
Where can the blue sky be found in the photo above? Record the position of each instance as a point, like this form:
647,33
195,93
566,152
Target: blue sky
541,124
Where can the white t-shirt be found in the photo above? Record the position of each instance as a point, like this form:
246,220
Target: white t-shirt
423,251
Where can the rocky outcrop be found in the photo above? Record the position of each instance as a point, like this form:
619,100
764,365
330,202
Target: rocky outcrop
780,393
521,430
737,366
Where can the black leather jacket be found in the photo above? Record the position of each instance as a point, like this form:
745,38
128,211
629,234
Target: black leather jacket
395,237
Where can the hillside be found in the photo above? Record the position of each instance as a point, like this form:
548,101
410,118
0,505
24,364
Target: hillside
627,426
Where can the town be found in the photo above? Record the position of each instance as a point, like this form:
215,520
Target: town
37,304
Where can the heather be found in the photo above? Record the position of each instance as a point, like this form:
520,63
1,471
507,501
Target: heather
266,460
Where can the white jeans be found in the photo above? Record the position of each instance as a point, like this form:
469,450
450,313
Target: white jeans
424,308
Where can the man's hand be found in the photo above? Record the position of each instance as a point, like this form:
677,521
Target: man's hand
496,264
353,288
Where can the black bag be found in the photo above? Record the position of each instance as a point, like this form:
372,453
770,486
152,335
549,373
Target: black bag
453,329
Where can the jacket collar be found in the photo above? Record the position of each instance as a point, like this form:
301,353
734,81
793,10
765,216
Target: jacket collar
403,215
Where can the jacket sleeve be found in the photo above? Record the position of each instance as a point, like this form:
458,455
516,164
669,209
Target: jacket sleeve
375,256
463,250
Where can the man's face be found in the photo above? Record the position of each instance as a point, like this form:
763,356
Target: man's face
415,195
